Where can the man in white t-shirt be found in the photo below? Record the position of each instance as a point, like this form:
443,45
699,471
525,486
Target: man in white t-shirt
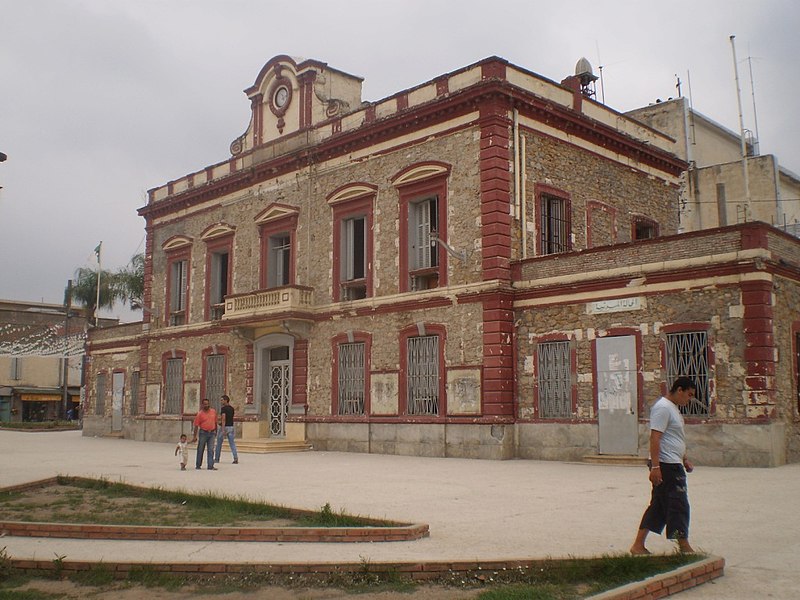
669,502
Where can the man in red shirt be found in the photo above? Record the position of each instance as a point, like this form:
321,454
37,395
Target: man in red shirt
205,425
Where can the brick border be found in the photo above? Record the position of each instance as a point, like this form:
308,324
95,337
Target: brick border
371,533
669,583
657,586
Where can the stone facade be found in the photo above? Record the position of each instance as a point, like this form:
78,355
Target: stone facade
380,277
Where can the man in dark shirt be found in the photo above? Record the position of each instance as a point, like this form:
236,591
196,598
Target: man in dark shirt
226,429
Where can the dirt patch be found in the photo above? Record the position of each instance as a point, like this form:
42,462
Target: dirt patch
70,590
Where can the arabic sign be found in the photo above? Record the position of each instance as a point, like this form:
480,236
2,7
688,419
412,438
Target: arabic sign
615,305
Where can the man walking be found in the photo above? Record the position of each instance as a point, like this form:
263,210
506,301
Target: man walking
669,502
226,429
205,424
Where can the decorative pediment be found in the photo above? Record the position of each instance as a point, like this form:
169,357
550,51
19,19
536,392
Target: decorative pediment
420,172
274,212
351,191
176,242
217,230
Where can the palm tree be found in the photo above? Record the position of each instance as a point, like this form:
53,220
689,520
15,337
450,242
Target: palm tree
129,282
84,290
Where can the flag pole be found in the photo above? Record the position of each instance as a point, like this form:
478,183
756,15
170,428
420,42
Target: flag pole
98,250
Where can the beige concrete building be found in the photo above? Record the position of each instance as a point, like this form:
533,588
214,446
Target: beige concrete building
35,338
714,193
485,265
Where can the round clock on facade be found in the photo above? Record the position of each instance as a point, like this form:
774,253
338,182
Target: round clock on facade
281,96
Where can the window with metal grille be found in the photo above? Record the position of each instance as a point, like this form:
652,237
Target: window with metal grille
177,298
100,394
134,406
279,260
687,355
644,228
423,375
173,386
351,378
555,380
554,225
353,269
215,379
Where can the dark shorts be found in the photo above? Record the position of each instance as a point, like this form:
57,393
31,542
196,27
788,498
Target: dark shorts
669,504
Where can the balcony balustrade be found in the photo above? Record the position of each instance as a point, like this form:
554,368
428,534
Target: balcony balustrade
263,303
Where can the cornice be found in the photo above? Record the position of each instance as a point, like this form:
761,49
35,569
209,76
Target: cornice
419,117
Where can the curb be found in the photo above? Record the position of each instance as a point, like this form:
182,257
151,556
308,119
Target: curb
658,586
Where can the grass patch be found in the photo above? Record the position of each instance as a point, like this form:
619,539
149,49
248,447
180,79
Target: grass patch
570,579
104,502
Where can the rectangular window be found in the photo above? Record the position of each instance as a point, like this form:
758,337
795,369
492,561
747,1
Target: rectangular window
173,386
351,379
279,260
178,277
555,381
644,229
353,269
135,378
16,368
423,259
554,225
215,379
423,375
687,355
218,287
100,395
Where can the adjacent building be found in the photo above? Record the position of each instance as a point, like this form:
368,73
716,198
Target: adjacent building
487,265
41,360
717,191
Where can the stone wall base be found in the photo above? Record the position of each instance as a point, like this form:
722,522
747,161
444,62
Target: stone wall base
709,444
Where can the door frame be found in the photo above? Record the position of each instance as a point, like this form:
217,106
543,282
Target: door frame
261,346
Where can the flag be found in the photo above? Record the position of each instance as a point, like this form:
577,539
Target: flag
97,251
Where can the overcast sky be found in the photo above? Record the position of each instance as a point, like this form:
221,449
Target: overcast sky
101,100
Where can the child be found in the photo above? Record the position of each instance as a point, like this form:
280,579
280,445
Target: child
183,448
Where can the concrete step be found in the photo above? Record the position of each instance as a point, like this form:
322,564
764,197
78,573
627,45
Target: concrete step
615,459
266,446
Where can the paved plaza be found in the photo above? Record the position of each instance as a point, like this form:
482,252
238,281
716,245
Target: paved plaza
476,509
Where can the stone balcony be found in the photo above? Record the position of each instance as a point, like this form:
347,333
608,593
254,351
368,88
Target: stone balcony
265,303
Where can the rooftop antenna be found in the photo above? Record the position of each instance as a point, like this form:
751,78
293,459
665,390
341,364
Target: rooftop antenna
753,94
600,68
741,133
691,105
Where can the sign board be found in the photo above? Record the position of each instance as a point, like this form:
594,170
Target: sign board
616,305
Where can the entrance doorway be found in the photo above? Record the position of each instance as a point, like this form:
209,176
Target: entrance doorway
617,395
274,381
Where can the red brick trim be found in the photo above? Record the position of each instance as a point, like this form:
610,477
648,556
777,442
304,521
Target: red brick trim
595,206
498,356
300,374
657,586
399,533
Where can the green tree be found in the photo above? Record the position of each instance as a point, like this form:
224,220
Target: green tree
84,289
129,282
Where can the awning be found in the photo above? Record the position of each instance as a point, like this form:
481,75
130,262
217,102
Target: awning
40,398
